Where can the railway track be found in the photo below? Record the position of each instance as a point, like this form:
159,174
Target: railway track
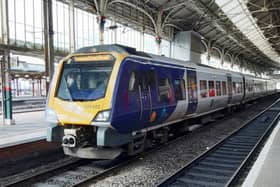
34,108
79,172
44,173
225,162
27,104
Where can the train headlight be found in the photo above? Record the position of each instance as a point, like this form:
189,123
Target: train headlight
50,116
103,116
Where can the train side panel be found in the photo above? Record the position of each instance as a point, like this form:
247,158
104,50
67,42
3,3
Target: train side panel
147,95
212,91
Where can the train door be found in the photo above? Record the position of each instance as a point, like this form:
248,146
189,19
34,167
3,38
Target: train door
192,91
229,83
145,92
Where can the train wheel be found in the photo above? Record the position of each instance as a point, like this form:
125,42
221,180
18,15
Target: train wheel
137,146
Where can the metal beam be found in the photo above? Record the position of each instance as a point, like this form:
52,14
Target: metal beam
5,67
138,8
71,26
48,38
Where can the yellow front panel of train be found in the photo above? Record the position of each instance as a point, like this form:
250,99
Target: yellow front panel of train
81,113
70,110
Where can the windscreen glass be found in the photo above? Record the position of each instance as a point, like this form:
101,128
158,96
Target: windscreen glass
84,81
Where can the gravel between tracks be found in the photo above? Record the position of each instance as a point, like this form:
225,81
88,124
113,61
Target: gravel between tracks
152,168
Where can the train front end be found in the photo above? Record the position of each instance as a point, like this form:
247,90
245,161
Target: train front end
79,104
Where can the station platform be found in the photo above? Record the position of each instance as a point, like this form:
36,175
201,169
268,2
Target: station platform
265,171
29,127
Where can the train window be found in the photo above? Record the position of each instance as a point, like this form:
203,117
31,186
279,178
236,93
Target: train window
179,89
143,81
191,85
234,90
238,86
133,81
218,88
251,86
203,89
152,79
224,88
211,88
165,92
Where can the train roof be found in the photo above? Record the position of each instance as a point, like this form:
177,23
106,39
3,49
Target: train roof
130,51
112,48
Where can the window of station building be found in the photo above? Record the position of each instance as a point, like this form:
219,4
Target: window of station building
218,88
234,90
179,89
211,88
203,89
165,92
224,88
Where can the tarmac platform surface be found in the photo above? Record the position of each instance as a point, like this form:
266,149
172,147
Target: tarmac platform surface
28,127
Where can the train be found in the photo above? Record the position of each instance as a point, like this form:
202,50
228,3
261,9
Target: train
107,100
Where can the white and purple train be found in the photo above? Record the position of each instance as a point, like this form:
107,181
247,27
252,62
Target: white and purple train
110,99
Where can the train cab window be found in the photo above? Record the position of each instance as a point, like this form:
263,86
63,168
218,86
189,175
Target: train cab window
218,88
84,81
203,88
211,88
224,88
179,89
165,92
133,81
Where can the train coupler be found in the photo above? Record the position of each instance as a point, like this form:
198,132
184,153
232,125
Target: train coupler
72,138
69,141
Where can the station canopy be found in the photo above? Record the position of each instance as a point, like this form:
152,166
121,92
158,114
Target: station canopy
248,29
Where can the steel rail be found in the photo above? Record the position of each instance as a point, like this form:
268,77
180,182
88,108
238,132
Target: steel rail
26,180
51,172
223,163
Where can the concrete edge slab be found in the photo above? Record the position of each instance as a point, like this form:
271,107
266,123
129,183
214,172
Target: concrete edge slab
256,169
32,137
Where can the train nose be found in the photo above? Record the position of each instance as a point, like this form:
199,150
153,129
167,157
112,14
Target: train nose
69,141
